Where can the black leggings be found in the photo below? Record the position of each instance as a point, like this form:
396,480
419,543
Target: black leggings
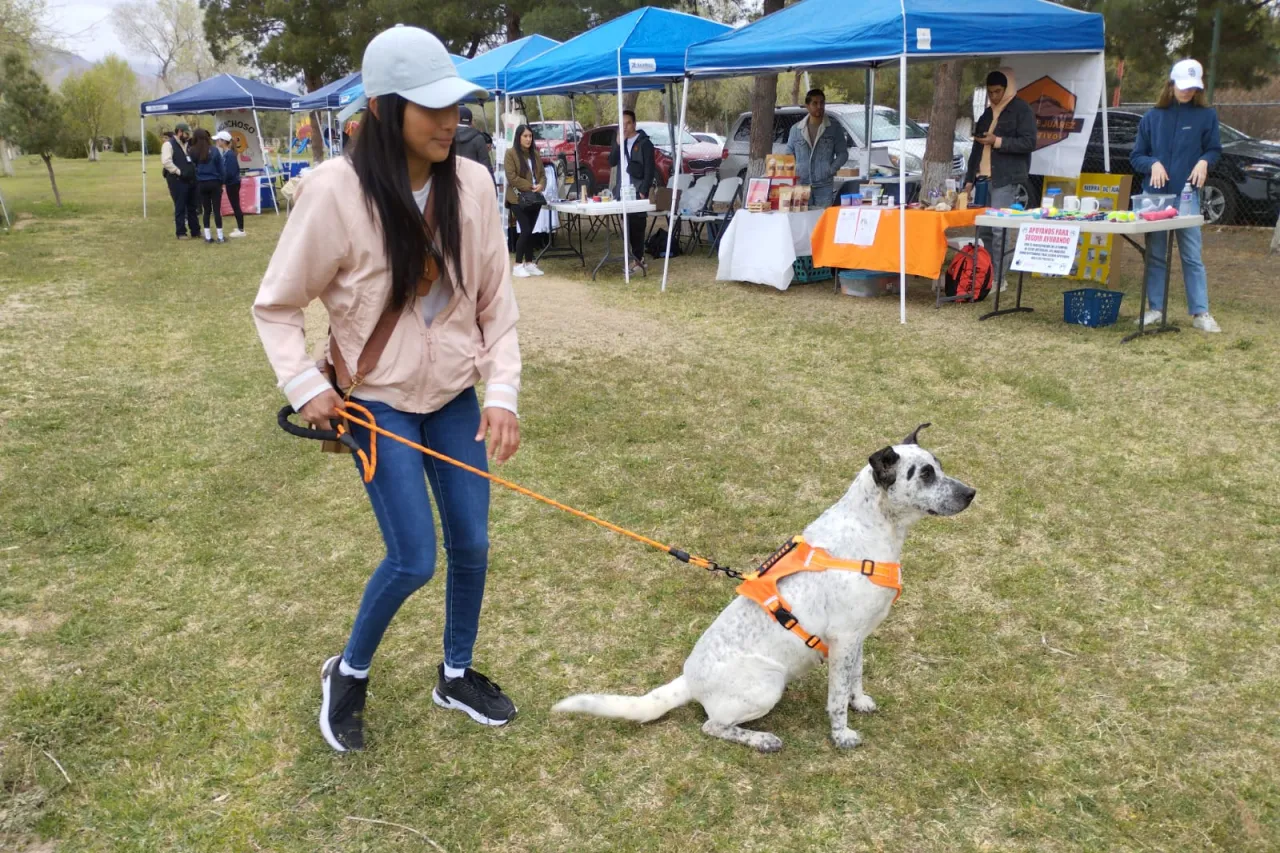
233,196
526,218
211,201
636,225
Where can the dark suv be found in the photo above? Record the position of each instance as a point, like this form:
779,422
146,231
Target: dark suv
1243,186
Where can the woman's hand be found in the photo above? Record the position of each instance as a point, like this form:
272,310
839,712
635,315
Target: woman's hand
1199,173
504,433
1159,177
319,410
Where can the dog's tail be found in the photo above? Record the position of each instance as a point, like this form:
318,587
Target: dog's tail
640,709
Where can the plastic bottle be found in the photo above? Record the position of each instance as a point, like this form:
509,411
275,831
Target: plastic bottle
1187,202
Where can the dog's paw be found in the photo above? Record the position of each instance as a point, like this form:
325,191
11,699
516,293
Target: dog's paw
846,738
766,742
863,704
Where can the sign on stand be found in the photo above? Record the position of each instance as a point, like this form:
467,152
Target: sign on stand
1046,248
244,136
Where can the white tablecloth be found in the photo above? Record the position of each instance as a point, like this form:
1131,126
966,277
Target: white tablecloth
761,247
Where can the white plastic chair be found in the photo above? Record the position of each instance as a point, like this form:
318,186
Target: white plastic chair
725,195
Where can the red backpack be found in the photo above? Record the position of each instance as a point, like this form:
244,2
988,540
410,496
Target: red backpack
961,280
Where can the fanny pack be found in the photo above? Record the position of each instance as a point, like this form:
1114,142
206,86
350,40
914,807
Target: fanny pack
528,198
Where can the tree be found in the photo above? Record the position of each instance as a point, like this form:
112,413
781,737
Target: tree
170,32
87,102
121,85
940,146
1275,239
30,114
764,96
20,31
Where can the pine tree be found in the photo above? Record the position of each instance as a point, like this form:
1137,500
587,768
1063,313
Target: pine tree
30,114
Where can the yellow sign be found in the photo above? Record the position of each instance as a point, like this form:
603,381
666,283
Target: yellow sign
1093,262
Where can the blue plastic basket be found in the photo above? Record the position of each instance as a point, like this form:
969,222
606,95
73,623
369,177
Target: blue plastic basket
1091,307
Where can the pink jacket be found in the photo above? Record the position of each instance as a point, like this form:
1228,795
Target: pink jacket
331,249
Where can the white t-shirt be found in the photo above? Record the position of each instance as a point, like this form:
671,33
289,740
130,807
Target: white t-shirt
438,296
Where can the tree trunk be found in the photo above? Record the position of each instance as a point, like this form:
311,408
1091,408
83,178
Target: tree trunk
93,150
629,100
1275,239
513,24
764,97
124,145
795,89
939,150
53,182
317,137
6,160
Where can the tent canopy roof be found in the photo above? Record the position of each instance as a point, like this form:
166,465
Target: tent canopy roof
490,69
646,46
224,92
815,33
326,97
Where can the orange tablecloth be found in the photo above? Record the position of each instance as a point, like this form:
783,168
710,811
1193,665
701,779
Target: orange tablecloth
926,241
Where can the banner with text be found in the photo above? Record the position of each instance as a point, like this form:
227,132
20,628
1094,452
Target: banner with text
1045,248
1065,93
244,136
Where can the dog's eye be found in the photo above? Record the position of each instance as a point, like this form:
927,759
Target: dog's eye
926,474
911,472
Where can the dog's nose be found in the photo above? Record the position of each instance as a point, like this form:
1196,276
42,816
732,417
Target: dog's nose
969,492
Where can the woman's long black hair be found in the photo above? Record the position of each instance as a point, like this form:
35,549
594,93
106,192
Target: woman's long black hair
380,163
201,144
524,155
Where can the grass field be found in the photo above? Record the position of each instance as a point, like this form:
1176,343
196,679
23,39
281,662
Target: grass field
1085,660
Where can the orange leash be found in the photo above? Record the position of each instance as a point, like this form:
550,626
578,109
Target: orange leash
369,464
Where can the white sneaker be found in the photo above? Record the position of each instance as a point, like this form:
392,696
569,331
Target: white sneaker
519,271
236,233
1150,318
1205,323
532,269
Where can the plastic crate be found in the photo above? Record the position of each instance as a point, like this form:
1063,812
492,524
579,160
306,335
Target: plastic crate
867,283
807,273
1091,307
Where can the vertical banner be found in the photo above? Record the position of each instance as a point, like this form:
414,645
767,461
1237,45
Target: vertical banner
244,136
1093,261
1065,92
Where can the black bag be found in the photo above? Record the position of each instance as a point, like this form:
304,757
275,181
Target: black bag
527,198
657,245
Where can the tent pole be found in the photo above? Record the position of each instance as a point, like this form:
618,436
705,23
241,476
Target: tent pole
142,135
869,109
266,164
289,142
675,192
1106,135
902,187
577,167
623,180
541,117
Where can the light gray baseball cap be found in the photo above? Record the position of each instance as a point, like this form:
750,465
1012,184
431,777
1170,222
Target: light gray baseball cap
414,64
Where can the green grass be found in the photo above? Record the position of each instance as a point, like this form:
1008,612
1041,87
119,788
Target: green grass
1085,660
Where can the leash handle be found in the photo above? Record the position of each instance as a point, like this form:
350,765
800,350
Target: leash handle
342,436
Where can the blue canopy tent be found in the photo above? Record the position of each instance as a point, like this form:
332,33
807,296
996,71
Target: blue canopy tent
217,94
644,49
490,69
325,98
870,33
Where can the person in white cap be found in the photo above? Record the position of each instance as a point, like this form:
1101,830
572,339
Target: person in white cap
402,243
1177,144
231,178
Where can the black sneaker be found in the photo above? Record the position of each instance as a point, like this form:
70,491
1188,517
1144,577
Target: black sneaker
476,696
342,708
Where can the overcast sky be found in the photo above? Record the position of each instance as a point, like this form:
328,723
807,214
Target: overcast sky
83,27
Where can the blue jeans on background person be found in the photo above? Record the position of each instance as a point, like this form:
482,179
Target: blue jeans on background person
399,497
997,244
1194,277
820,196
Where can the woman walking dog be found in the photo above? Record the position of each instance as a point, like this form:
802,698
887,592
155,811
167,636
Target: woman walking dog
402,244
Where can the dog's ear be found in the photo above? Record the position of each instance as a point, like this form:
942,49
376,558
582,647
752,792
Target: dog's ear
915,435
883,467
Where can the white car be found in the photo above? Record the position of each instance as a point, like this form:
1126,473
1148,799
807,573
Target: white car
887,152
713,138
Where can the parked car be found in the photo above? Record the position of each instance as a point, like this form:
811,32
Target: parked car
555,140
700,158
887,152
1243,186
714,138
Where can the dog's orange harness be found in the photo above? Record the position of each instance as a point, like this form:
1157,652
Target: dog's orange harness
761,586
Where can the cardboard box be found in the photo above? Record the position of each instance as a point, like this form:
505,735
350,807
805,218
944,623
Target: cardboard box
661,198
780,165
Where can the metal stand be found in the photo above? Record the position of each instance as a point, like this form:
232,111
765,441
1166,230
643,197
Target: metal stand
624,258
1018,307
572,223
5,210
1142,299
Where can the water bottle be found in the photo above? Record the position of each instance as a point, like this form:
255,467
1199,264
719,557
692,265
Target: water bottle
1187,203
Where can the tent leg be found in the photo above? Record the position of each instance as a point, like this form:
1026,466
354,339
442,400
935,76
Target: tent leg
902,188
275,202
1106,135
624,179
541,117
868,110
289,141
577,170
675,192
142,135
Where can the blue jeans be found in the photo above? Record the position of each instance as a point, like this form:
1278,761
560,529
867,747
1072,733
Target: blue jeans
399,497
1194,277
820,196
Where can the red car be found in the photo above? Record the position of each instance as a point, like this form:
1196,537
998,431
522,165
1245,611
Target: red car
555,139
700,158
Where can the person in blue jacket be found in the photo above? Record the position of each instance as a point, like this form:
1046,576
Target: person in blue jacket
231,178
1177,144
209,171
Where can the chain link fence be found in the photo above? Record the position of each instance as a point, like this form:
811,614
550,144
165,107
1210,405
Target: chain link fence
1244,186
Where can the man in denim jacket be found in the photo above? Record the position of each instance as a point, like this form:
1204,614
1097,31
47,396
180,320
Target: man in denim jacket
819,146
